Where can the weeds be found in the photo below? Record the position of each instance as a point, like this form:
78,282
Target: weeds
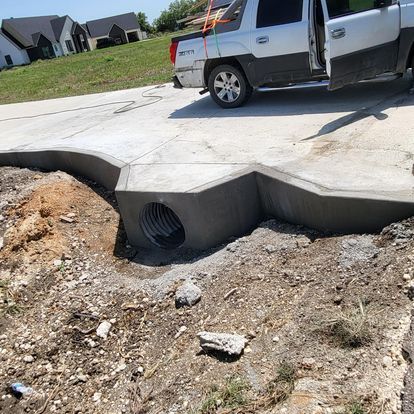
281,387
231,396
369,404
354,408
8,304
351,328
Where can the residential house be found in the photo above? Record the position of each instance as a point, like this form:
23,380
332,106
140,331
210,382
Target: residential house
123,28
10,53
46,37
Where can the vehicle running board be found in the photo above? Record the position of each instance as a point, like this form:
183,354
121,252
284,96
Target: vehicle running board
294,86
381,78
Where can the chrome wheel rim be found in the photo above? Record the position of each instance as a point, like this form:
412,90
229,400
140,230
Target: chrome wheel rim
227,87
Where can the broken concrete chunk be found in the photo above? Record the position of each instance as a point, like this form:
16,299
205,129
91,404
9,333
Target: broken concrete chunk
187,294
103,329
231,344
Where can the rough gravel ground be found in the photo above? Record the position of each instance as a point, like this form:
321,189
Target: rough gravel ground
284,287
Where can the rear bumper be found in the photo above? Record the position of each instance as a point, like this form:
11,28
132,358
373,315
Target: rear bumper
177,84
191,76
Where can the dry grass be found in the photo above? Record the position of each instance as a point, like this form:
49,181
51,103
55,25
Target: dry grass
369,404
351,328
8,301
278,390
229,398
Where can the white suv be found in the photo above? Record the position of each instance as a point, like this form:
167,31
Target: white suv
277,43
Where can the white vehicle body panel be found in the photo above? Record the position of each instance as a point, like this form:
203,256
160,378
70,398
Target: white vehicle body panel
284,39
362,31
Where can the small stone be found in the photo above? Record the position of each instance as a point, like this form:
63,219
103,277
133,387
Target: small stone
180,332
187,294
82,378
28,359
275,339
66,219
308,363
140,370
270,249
407,277
71,215
66,256
338,300
387,361
231,344
1,242
103,329
97,396
57,263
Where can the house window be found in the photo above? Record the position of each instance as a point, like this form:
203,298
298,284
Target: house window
56,48
46,52
69,45
9,60
339,8
277,12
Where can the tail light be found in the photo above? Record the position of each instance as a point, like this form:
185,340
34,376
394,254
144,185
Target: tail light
173,52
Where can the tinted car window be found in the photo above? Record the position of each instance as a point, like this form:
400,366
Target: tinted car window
338,8
276,12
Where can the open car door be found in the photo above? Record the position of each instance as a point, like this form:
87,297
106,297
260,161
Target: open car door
361,39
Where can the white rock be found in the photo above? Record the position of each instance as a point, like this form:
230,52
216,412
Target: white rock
387,362
187,294
97,396
82,378
270,249
231,344
1,242
180,332
103,329
28,359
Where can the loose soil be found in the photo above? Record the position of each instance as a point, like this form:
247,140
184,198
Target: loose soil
335,309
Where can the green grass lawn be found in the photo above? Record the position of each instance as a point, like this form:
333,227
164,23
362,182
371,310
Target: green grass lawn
120,67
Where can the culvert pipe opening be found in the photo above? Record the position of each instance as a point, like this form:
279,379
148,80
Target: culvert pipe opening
161,226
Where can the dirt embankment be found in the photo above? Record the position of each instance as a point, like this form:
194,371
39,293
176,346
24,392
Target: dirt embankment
325,316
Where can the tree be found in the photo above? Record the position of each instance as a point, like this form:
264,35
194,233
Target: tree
143,22
177,10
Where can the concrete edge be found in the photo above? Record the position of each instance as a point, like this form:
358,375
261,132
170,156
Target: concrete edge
231,206
94,165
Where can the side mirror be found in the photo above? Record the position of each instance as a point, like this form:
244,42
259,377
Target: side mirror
379,4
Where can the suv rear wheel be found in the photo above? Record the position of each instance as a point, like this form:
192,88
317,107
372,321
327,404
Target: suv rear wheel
229,87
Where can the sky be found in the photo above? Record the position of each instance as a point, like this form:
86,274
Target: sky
80,10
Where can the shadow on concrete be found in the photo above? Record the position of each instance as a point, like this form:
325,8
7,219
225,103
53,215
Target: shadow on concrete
362,100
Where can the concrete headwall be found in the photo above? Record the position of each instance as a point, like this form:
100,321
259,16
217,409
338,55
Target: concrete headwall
220,210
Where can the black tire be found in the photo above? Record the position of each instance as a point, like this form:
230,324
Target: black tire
236,88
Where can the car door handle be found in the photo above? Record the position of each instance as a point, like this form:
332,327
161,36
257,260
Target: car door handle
262,40
338,33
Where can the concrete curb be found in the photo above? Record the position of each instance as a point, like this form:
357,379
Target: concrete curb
229,207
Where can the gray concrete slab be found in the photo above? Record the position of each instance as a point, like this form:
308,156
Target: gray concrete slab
339,161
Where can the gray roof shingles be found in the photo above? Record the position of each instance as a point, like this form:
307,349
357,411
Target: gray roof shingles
57,25
102,27
26,27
